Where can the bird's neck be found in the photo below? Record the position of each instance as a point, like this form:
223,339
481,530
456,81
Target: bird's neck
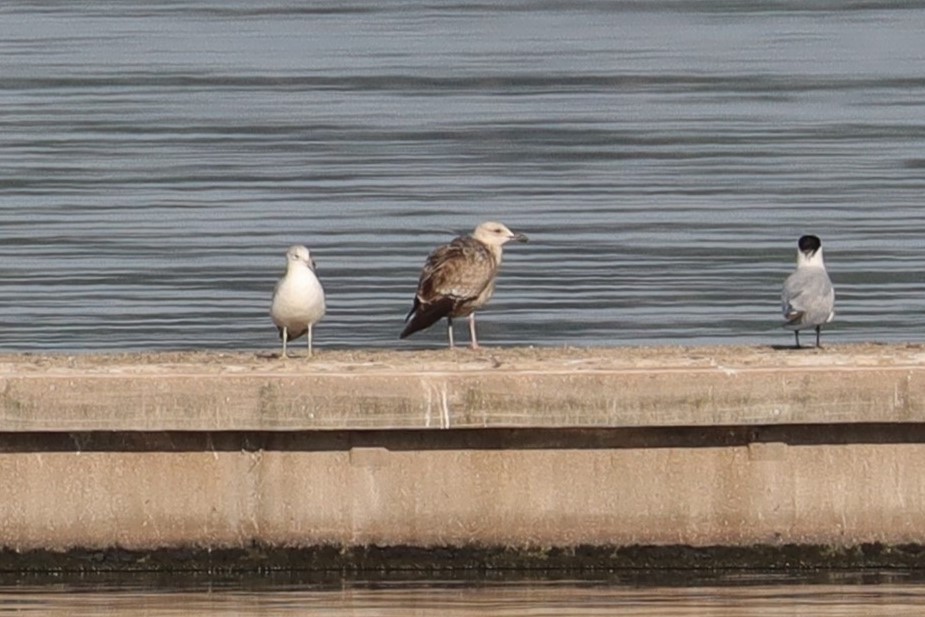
496,251
298,269
810,261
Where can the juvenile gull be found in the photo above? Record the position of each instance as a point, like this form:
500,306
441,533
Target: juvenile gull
298,300
458,279
808,298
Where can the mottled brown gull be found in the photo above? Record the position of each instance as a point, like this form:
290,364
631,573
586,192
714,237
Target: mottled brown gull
298,300
458,279
808,299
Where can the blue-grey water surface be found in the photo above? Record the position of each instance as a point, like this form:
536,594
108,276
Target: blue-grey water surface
157,158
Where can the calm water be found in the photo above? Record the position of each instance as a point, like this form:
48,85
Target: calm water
501,601
157,158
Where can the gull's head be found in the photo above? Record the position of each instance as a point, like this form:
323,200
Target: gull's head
810,250
298,255
496,234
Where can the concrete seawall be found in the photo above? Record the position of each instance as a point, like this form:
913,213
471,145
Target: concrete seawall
518,450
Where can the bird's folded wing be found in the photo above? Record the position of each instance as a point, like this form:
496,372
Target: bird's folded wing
461,269
805,291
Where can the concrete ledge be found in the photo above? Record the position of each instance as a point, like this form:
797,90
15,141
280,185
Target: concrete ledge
550,454
495,388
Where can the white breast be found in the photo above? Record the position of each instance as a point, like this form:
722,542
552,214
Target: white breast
298,299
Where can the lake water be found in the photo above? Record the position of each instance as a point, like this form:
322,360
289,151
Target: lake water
518,600
157,158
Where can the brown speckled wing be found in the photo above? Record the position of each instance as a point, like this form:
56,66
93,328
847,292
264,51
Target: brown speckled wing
461,270
457,279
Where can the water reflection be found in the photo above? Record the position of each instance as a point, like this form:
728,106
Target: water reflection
509,600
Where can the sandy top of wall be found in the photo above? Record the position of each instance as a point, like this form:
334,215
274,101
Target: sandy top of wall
514,359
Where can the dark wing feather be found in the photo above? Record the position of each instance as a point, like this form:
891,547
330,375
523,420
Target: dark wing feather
291,335
425,316
455,274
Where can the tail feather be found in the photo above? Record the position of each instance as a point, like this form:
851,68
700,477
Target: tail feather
291,334
425,315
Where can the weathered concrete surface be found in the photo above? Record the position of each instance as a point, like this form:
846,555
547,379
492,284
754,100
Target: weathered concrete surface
494,388
603,448
733,496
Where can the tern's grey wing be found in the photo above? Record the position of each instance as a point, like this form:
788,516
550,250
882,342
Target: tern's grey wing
808,297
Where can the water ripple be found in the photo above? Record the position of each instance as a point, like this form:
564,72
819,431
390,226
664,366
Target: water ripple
663,157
